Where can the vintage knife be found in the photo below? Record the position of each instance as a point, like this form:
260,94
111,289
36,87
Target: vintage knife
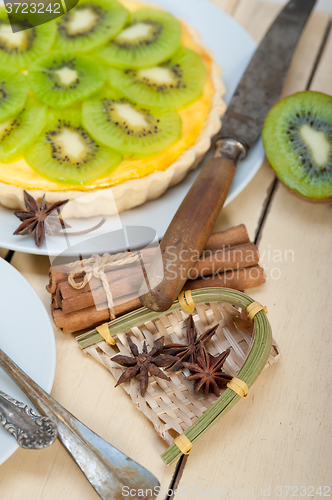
256,93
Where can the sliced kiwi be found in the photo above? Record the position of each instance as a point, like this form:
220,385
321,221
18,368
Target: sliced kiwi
128,127
60,79
90,24
16,134
66,154
18,50
14,90
174,84
297,137
151,37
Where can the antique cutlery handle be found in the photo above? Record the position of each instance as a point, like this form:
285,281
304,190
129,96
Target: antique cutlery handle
107,469
190,228
31,430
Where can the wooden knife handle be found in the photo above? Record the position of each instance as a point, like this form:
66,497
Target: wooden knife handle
188,233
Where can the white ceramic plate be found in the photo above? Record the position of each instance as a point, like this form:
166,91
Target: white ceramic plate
26,335
233,49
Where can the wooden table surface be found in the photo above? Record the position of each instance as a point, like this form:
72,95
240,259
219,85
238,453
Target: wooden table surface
280,436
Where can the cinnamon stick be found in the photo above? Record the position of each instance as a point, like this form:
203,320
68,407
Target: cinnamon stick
54,301
89,317
224,259
239,279
237,235
232,237
121,283
66,291
128,285
59,274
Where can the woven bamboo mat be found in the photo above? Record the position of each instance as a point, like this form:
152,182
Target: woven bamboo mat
172,407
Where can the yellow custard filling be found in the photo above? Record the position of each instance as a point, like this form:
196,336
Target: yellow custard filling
193,117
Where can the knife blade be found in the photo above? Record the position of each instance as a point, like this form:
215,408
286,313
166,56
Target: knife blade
257,92
262,81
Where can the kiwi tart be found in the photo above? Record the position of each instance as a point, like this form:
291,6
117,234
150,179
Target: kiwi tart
115,95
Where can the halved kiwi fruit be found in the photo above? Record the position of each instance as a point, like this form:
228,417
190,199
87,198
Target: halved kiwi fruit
90,24
174,84
128,127
16,134
151,37
14,90
18,50
297,137
66,154
60,79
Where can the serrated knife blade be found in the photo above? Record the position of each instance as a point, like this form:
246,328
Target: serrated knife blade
257,92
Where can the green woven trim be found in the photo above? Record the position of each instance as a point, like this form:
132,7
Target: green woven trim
254,364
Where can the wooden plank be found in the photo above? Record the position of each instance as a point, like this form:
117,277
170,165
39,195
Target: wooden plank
228,6
3,252
281,434
255,17
265,441
322,78
296,242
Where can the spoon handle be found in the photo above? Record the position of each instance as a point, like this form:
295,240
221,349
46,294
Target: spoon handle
107,469
31,430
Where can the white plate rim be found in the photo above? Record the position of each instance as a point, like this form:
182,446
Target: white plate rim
46,380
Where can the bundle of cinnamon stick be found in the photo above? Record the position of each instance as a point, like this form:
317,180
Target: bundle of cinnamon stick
229,260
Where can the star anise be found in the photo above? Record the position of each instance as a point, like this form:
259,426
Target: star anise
207,371
41,219
143,363
188,352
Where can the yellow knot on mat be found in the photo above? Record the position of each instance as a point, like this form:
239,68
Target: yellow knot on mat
237,385
254,308
183,443
103,330
186,301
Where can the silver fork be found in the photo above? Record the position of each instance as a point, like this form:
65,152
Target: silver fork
107,469
31,430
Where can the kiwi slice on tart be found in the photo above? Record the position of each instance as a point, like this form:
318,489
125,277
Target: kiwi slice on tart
128,127
151,37
90,24
65,153
18,50
14,90
174,84
297,137
17,133
60,79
